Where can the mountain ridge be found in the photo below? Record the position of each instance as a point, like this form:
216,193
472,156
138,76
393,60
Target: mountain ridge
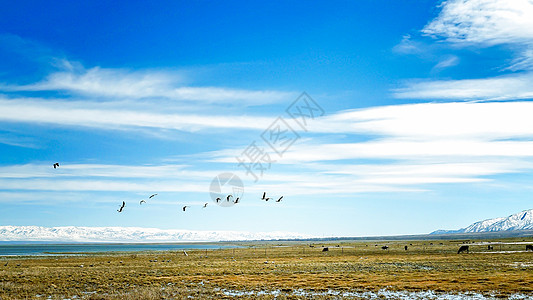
132,234
519,221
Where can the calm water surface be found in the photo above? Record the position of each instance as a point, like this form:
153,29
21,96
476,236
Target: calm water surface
7,249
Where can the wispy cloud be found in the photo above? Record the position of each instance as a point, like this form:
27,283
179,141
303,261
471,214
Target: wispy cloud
141,84
447,62
479,24
418,144
507,87
115,116
406,148
488,22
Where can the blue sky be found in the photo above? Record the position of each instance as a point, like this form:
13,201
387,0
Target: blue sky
426,119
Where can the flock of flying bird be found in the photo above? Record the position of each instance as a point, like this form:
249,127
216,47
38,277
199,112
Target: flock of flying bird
218,200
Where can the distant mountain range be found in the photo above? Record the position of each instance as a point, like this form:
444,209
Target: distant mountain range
132,234
513,223
519,221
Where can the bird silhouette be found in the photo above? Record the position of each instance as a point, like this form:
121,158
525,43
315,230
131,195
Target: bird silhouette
142,201
218,199
265,197
279,200
229,196
56,165
152,196
185,207
236,200
122,207
205,205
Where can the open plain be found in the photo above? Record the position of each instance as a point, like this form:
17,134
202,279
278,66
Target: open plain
281,270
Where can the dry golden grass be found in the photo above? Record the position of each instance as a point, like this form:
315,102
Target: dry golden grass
353,266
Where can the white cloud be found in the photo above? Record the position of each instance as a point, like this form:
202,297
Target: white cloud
418,144
480,24
430,121
447,62
413,145
92,170
507,87
488,22
120,83
116,116
408,46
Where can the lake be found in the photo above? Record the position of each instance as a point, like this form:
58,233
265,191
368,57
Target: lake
14,249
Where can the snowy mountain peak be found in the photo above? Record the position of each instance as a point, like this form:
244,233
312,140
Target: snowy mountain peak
131,234
519,221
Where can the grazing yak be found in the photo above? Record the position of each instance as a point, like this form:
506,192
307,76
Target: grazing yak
325,249
463,249
405,248
529,247
490,247
385,247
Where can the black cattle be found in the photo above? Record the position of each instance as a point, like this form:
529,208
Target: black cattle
325,249
529,247
463,249
385,247
490,247
405,248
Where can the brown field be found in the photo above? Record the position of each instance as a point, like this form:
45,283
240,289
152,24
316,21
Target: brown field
294,271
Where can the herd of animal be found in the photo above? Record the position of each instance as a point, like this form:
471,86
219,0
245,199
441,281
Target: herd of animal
462,248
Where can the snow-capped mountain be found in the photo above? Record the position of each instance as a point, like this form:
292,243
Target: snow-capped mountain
131,234
519,221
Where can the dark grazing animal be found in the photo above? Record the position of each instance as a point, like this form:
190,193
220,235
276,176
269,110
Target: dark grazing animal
325,249
405,248
463,249
385,247
529,247
489,247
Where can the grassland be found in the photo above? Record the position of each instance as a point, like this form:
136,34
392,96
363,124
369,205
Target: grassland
289,269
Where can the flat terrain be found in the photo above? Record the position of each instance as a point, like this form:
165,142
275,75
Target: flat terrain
284,270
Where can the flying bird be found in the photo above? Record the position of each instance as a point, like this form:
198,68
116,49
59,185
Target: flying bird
185,207
56,165
229,196
152,196
142,201
205,205
264,197
236,200
122,207
279,200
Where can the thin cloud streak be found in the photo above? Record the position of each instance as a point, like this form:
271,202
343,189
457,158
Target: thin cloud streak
507,87
120,83
79,113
